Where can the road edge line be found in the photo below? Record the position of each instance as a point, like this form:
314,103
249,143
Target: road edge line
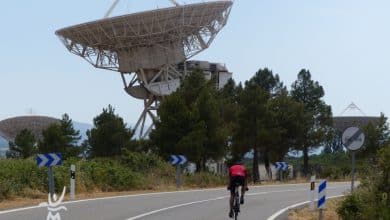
282,211
142,194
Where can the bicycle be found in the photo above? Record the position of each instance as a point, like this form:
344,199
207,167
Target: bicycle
236,201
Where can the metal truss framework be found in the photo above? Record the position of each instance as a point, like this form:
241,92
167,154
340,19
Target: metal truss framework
147,46
188,28
151,91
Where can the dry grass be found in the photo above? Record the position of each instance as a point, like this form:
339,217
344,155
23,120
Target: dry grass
329,213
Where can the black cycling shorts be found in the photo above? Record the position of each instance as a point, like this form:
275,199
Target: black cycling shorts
239,180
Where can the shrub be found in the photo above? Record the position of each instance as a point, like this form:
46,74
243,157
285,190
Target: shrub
204,179
367,201
132,171
351,208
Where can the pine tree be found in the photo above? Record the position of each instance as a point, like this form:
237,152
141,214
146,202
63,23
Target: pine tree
310,93
61,138
109,136
24,145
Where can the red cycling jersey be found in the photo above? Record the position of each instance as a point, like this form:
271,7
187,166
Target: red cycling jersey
237,170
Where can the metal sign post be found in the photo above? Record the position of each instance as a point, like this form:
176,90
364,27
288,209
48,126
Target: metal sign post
178,160
178,175
72,181
353,171
353,139
50,176
49,160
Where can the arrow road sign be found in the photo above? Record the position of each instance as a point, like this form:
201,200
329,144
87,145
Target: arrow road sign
49,160
353,138
178,159
281,165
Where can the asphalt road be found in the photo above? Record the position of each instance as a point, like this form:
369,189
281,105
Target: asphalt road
261,202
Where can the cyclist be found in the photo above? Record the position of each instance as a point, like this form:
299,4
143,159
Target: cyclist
237,174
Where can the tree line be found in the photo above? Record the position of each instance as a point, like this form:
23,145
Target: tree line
261,116
109,137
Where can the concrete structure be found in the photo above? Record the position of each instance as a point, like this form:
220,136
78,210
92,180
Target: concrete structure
147,48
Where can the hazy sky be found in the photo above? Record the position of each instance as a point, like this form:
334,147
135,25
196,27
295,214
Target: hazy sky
345,45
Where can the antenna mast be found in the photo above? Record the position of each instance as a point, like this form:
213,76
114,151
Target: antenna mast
111,9
174,2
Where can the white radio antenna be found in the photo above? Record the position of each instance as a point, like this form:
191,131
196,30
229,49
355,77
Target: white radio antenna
111,9
174,2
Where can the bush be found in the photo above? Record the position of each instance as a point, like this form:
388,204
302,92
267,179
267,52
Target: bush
367,201
132,171
204,179
351,208
140,162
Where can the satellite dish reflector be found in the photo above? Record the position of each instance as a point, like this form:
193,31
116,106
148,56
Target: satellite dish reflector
151,48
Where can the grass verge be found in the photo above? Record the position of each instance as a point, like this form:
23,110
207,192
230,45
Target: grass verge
329,213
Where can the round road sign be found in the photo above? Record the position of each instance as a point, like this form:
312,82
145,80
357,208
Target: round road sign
353,138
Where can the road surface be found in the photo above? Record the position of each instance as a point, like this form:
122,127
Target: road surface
261,202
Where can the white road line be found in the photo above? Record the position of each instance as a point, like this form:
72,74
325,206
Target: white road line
188,204
175,206
112,197
278,213
213,199
145,194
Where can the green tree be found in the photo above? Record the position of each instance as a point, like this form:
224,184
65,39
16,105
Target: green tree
214,145
287,117
228,98
268,82
334,142
110,135
23,146
273,87
311,93
189,122
228,104
377,136
52,140
175,122
252,117
61,137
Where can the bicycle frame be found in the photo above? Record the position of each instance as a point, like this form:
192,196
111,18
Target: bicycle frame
236,202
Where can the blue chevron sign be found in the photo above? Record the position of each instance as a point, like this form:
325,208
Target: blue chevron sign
322,194
177,159
49,160
281,165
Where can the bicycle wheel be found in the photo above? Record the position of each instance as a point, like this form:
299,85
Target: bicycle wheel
236,204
